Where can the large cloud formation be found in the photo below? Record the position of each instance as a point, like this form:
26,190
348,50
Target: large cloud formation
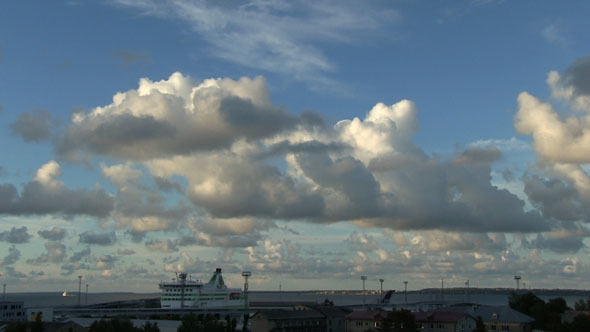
45,194
176,116
562,142
216,164
224,137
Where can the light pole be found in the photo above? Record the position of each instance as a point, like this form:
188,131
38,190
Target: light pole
517,278
79,288
246,275
467,284
406,293
363,278
3,290
86,294
381,281
442,287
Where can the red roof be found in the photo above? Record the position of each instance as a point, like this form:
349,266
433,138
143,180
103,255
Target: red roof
439,316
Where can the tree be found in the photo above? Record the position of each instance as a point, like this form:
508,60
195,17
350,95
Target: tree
37,324
399,321
114,325
386,324
230,324
547,315
581,324
479,325
200,323
582,305
17,327
189,323
149,327
245,323
525,302
557,305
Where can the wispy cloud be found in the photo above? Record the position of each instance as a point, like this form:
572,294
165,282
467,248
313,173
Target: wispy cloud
274,36
512,144
128,57
553,33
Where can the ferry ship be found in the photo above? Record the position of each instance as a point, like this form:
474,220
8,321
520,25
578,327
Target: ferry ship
183,293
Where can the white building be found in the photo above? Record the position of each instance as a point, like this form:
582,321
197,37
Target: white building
12,311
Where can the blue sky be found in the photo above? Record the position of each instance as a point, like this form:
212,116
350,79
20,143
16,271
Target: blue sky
309,142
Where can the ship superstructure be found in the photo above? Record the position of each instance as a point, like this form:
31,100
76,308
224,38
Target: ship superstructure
183,293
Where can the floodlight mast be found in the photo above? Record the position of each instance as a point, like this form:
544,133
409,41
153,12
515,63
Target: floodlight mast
517,278
79,288
364,278
406,293
381,281
442,290
246,275
3,290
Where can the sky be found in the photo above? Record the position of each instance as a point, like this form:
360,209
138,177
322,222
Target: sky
310,142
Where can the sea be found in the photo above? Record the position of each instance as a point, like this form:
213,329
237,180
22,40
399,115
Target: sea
480,296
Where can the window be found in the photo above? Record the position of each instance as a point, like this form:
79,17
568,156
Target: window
493,328
505,328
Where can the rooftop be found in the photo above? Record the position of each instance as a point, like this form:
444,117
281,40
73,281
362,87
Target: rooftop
439,316
492,313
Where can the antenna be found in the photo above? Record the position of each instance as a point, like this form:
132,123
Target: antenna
517,278
246,275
